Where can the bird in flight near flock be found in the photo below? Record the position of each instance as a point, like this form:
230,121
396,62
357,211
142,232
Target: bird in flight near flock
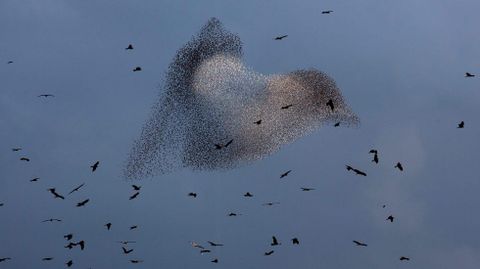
95,166
280,37
358,172
358,243
461,125
285,174
130,47
469,75
55,194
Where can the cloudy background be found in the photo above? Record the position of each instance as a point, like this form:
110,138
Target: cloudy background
400,65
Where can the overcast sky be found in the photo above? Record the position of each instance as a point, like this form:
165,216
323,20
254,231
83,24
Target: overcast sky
400,66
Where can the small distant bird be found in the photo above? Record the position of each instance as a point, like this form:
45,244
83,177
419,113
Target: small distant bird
136,188
205,251
215,244
125,251
268,253
373,151
220,146
286,107
5,259
307,189
108,225
70,245
271,203
285,174
330,104
295,241
126,242
274,241
46,95
25,159
16,149
52,220
399,166
358,172
327,11
34,179
47,259
461,125
336,124
280,37
233,214
469,75
136,69
10,62
133,227
403,258
358,243
55,194
83,203
69,263
248,194
134,196
76,189
1,204
375,158
136,261
196,245
214,260
193,194
95,166
228,143
130,47
68,237
258,122
390,218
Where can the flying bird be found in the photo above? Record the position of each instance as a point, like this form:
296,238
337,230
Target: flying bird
34,179
248,194
214,260
47,259
108,225
133,227
16,149
68,237
358,243
330,104
390,218
399,166
215,244
136,261
136,69
193,194
274,241
136,188
25,159
125,251
271,203
286,107
5,259
469,75
95,166
375,158
285,174
70,245
280,37
307,189
69,263
83,203
233,214
52,220
81,244
130,47
76,189
461,125
403,258
134,196
336,124
358,172
55,194
205,251
295,241
327,11
220,146
46,95
268,253
10,62
196,245
258,122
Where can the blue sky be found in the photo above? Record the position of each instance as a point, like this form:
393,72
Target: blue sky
400,66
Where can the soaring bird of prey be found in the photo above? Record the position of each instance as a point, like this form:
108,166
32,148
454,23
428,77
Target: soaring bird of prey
469,75
46,95
358,243
258,122
268,253
126,251
390,218
95,166
55,194
136,188
16,149
5,259
68,237
358,172
69,263
307,189
25,159
285,174
193,194
295,241
274,241
83,203
327,11
137,69
403,258
399,166
330,104
130,47
134,196
461,125
76,189
248,194
286,107
52,220
213,244
280,37
108,225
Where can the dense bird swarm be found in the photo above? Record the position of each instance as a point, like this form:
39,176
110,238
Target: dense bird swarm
216,113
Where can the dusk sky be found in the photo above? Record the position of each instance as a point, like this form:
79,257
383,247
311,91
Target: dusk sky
400,66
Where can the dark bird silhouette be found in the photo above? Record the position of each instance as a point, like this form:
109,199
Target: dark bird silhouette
134,196
47,259
34,179
295,241
399,166
81,244
10,62
196,245
83,203
336,124
55,194
5,259
390,218
76,189
375,158
133,227
373,151
130,47
307,189
136,188
16,149
215,244
327,11
358,172
461,125
403,258
193,194
258,122
330,104
68,237
286,107
136,69
285,174
469,75
248,194
274,241
25,159
52,220
70,245
69,263
125,251
233,214
280,37
46,95
136,261
214,260
220,146
205,251
108,225
268,253
271,203
1,204
95,166
228,143
358,243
